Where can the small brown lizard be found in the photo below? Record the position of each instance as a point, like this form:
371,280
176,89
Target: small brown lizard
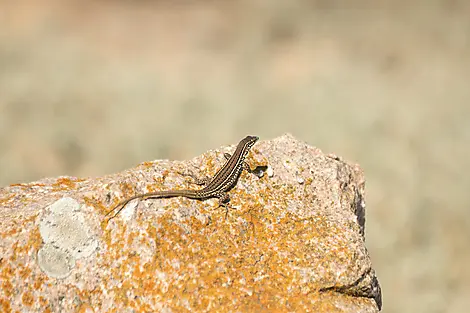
217,187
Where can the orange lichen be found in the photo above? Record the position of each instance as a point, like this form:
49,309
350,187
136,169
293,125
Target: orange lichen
64,183
7,198
24,272
5,305
85,308
28,185
7,286
102,209
127,189
27,299
8,233
147,164
34,240
43,301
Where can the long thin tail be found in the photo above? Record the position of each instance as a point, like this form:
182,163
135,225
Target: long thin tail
150,195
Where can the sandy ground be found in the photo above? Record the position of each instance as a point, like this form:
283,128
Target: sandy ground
93,87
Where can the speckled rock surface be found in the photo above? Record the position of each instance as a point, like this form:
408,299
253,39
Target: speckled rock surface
292,241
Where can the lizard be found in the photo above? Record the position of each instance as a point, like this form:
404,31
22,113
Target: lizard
216,187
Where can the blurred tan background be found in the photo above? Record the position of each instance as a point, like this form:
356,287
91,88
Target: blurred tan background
94,87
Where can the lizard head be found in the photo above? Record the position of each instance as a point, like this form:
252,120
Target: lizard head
249,141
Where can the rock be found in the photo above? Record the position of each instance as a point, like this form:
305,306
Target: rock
292,240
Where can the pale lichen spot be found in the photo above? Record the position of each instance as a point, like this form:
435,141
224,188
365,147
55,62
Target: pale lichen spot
55,262
66,235
270,171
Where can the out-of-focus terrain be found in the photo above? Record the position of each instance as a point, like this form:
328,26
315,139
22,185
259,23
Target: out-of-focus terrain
93,87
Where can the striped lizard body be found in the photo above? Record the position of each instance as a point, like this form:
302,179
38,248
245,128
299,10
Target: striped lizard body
217,187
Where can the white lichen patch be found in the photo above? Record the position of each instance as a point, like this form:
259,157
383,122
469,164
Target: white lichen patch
55,262
270,171
65,205
65,229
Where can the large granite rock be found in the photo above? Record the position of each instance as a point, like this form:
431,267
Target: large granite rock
293,239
